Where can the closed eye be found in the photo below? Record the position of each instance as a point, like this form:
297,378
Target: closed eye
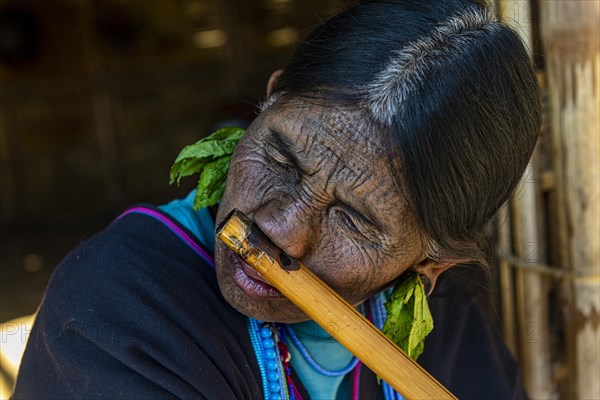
347,222
281,159
277,149
285,168
355,224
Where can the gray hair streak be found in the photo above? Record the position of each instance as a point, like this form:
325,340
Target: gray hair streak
408,68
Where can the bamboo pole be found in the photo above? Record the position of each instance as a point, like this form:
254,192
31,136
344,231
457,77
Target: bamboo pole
507,288
571,38
532,296
321,303
530,288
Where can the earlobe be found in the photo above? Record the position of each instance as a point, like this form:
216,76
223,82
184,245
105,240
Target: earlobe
272,84
431,270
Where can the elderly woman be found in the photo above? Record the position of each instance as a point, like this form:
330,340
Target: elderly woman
394,134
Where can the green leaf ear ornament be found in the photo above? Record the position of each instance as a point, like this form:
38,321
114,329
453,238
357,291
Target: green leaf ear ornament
209,157
408,319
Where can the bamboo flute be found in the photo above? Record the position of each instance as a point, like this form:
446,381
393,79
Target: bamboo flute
334,314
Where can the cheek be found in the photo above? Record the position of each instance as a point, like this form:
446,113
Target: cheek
355,270
347,265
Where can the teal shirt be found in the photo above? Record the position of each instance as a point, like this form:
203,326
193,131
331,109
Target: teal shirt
329,354
324,349
200,222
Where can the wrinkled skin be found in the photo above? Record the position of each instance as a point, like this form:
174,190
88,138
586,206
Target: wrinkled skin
328,198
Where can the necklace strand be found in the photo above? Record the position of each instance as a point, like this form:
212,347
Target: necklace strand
272,373
311,361
294,393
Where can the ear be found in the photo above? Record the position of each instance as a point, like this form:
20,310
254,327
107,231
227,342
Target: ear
432,270
272,85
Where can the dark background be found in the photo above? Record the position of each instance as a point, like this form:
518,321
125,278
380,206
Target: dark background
97,98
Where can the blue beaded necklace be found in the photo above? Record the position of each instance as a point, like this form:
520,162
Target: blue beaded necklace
267,355
269,344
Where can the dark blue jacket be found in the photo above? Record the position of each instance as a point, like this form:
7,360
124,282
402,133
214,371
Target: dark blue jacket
134,313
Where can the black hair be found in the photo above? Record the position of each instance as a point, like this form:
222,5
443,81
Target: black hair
453,89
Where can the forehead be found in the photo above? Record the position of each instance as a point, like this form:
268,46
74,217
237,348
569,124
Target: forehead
345,133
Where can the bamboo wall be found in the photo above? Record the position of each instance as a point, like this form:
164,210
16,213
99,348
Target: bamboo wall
548,242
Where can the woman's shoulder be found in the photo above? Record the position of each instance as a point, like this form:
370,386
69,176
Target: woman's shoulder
140,249
136,311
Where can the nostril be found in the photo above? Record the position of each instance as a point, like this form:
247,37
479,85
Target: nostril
285,260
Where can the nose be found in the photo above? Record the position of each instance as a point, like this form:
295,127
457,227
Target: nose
291,225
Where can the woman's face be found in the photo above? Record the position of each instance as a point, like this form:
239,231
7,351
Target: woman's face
320,186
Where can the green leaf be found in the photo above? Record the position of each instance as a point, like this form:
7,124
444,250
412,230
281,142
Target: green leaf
211,184
409,320
209,157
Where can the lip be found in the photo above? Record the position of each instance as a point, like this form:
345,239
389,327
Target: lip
249,280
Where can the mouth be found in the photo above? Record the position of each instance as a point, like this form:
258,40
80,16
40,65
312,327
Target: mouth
249,280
